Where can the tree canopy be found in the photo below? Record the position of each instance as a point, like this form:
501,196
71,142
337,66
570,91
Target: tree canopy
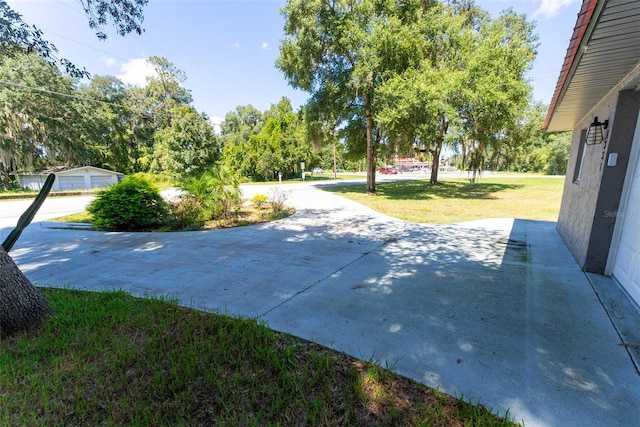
17,36
387,79
335,51
409,74
35,124
49,119
259,145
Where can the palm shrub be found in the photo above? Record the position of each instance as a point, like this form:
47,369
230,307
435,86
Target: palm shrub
131,205
218,190
226,187
197,188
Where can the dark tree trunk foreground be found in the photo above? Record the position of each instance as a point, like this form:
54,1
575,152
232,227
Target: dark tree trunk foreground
21,304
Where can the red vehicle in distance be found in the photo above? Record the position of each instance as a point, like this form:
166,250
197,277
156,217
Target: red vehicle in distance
388,171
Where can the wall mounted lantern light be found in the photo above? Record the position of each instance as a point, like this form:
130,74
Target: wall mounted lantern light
595,134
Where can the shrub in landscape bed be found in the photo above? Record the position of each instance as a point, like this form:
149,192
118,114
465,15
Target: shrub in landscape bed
259,200
186,213
131,205
218,190
277,199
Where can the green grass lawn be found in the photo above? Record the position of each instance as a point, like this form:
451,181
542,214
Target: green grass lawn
458,200
111,359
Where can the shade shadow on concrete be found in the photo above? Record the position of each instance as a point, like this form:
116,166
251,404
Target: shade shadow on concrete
495,311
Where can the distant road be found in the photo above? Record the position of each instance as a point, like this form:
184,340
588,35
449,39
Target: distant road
53,207
10,210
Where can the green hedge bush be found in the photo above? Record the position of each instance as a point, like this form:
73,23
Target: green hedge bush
131,205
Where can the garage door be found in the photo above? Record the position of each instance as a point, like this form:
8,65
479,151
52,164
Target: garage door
71,182
100,181
627,264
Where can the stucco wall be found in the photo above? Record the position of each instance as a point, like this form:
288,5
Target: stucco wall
583,223
578,200
620,142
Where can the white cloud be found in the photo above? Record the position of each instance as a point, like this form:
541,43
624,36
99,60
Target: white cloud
265,46
551,8
109,61
135,71
236,45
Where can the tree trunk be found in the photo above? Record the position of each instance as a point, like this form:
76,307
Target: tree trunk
5,182
371,153
21,304
444,127
436,162
335,164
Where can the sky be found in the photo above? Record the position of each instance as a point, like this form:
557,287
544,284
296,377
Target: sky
228,48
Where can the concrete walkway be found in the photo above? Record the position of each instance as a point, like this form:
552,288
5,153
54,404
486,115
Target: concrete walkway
496,311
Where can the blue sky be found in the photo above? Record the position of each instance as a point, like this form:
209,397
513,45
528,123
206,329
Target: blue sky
228,48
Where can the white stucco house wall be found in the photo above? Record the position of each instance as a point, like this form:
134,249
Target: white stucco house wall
71,178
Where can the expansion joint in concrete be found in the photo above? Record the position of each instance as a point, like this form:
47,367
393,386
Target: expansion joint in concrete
300,292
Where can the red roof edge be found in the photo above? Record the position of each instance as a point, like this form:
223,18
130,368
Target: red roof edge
584,17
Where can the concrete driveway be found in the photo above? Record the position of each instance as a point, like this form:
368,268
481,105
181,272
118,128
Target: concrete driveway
496,311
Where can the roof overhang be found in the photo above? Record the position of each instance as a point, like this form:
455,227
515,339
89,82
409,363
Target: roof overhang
603,57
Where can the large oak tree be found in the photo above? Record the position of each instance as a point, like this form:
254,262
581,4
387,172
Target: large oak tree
341,51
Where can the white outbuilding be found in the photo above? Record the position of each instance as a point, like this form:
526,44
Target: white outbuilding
71,178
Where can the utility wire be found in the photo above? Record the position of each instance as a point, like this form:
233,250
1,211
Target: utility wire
79,98
186,83
208,70
173,55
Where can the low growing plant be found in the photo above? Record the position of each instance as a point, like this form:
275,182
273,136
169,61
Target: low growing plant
277,198
259,200
131,205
